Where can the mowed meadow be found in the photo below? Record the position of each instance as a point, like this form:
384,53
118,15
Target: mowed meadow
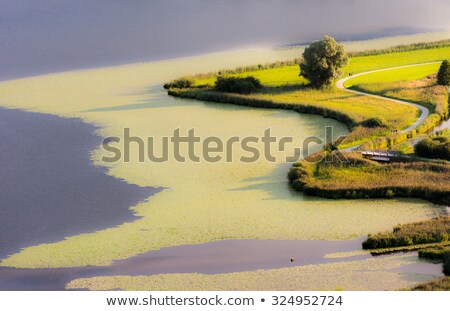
290,74
415,84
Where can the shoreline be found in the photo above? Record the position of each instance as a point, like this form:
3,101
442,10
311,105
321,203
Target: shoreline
74,197
289,52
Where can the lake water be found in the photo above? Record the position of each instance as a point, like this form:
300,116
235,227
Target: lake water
48,36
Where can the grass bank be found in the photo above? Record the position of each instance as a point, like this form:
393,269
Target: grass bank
353,110
437,252
359,178
442,284
436,230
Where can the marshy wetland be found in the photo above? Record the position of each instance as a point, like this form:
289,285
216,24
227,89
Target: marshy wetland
203,202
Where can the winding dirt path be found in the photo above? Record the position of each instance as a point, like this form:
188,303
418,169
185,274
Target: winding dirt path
424,111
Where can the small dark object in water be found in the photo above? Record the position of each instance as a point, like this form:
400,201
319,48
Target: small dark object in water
292,259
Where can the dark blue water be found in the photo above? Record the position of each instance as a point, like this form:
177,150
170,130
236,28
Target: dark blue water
47,36
48,188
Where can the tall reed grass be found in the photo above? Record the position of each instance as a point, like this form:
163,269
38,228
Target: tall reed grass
430,231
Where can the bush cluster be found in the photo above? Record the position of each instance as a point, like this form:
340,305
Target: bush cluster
238,85
182,83
432,231
434,148
433,253
374,122
447,263
392,139
443,76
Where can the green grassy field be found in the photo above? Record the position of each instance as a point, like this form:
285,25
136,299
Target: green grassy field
395,75
367,63
416,84
290,74
287,75
358,107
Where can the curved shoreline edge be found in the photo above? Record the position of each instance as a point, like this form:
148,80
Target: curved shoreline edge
418,127
38,210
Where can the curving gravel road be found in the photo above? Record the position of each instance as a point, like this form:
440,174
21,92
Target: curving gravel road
424,111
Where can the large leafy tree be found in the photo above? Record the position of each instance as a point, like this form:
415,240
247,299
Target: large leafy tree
443,76
322,61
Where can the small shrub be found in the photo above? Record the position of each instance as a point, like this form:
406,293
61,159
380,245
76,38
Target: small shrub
390,194
238,85
374,122
433,253
433,148
182,83
443,76
446,257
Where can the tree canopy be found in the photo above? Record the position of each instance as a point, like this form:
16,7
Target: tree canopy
322,61
443,76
